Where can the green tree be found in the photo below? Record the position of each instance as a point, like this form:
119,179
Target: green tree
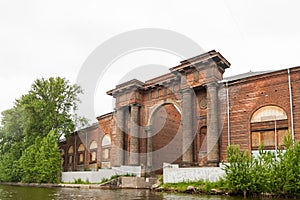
50,105
41,162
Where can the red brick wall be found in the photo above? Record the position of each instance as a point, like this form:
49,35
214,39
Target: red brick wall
248,95
168,133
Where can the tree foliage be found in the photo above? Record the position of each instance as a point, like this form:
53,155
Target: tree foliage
41,162
49,106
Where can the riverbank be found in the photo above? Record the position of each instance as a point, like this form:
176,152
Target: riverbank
52,185
122,182
194,187
219,188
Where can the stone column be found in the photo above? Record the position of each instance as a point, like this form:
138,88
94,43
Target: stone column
149,132
187,126
134,135
212,124
119,141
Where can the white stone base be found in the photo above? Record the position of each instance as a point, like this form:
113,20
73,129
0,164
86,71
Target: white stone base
173,174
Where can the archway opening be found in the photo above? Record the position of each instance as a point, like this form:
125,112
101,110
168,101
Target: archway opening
167,136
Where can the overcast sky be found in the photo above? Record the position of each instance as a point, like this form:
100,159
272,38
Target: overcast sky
54,38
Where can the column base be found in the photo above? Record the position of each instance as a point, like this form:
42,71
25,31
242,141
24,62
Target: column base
187,164
213,163
149,172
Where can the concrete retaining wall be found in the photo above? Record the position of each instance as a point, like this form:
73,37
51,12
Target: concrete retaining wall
174,174
98,176
137,182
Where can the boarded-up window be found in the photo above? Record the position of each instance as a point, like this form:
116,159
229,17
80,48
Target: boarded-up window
268,137
280,135
255,139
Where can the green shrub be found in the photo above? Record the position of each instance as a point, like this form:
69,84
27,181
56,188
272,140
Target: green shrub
277,172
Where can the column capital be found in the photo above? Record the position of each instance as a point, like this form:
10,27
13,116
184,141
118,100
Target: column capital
187,90
135,104
212,84
120,108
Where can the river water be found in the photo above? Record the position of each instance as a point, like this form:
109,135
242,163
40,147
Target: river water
34,193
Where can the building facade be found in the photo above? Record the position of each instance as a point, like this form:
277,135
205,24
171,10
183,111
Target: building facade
189,117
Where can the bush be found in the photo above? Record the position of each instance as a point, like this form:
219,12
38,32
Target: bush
278,174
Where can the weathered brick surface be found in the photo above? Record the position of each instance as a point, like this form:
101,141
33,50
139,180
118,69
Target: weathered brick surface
249,94
85,137
167,134
160,109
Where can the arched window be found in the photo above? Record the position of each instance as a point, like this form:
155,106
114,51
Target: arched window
269,124
106,142
81,151
70,154
93,152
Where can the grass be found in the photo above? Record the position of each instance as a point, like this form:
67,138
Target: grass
201,186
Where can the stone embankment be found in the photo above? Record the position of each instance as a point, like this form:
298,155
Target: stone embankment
120,182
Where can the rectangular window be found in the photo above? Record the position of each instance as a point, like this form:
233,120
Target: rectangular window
105,154
93,156
81,158
70,159
255,139
267,138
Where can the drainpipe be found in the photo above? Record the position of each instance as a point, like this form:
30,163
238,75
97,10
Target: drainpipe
228,112
291,105
228,108
85,150
275,133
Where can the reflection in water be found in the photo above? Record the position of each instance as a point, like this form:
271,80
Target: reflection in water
33,193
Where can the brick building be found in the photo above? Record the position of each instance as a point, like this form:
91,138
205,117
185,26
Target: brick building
189,117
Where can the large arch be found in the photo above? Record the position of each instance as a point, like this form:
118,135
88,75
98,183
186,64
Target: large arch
166,137
154,108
